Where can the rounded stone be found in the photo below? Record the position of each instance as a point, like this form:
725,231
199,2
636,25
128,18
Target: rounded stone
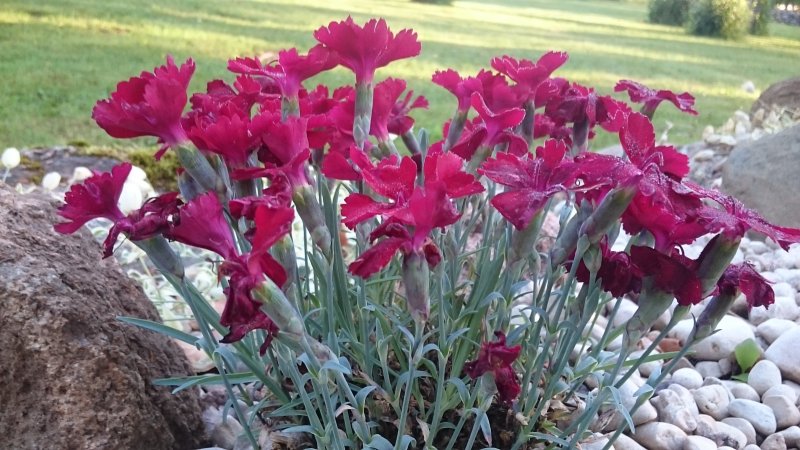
708,369
712,400
745,392
783,308
731,332
783,352
688,378
792,436
781,389
743,426
760,416
676,406
786,413
624,442
699,443
721,433
660,436
774,442
764,375
773,328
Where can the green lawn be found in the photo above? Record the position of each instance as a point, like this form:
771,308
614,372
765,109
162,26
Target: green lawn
57,57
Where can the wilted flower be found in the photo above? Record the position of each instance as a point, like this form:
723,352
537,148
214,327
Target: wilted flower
744,278
496,357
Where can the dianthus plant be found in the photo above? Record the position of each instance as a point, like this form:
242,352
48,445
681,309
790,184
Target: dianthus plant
448,293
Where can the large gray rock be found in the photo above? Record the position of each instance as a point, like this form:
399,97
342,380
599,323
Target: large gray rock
73,376
763,175
783,94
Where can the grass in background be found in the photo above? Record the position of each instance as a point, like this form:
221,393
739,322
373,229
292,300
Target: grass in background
60,56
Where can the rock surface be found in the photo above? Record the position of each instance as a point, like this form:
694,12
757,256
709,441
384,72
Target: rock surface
762,174
783,352
783,94
77,377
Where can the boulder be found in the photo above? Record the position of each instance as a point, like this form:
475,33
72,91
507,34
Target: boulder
762,174
73,376
783,94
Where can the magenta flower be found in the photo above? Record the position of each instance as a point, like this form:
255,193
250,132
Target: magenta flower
286,150
225,135
200,223
390,179
527,74
221,98
337,166
494,128
148,105
96,197
290,70
493,88
399,120
427,209
448,169
365,49
675,273
651,98
531,181
745,279
496,357
387,94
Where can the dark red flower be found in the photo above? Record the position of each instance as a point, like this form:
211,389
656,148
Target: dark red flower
735,219
527,74
365,49
148,105
96,197
617,274
651,98
408,230
152,219
496,357
490,129
290,70
531,181
673,273
448,169
200,223
744,278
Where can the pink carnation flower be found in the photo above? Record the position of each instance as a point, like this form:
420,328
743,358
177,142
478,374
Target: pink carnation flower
148,105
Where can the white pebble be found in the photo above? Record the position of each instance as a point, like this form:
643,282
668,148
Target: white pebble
131,198
712,400
51,180
774,442
708,369
771,329
763,376
660,436
11,158
760,416
784,353
742,425
676,406
688,378
792,436
783,308
704,155
786,413
699,443
745,392
781,389
79,174
721,433
624,442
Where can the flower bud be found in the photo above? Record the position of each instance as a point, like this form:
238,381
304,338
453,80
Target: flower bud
567,240
416,279
310,211
199,168
609,211
715,258
11,158
652,303
456,128
188,186
715,310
